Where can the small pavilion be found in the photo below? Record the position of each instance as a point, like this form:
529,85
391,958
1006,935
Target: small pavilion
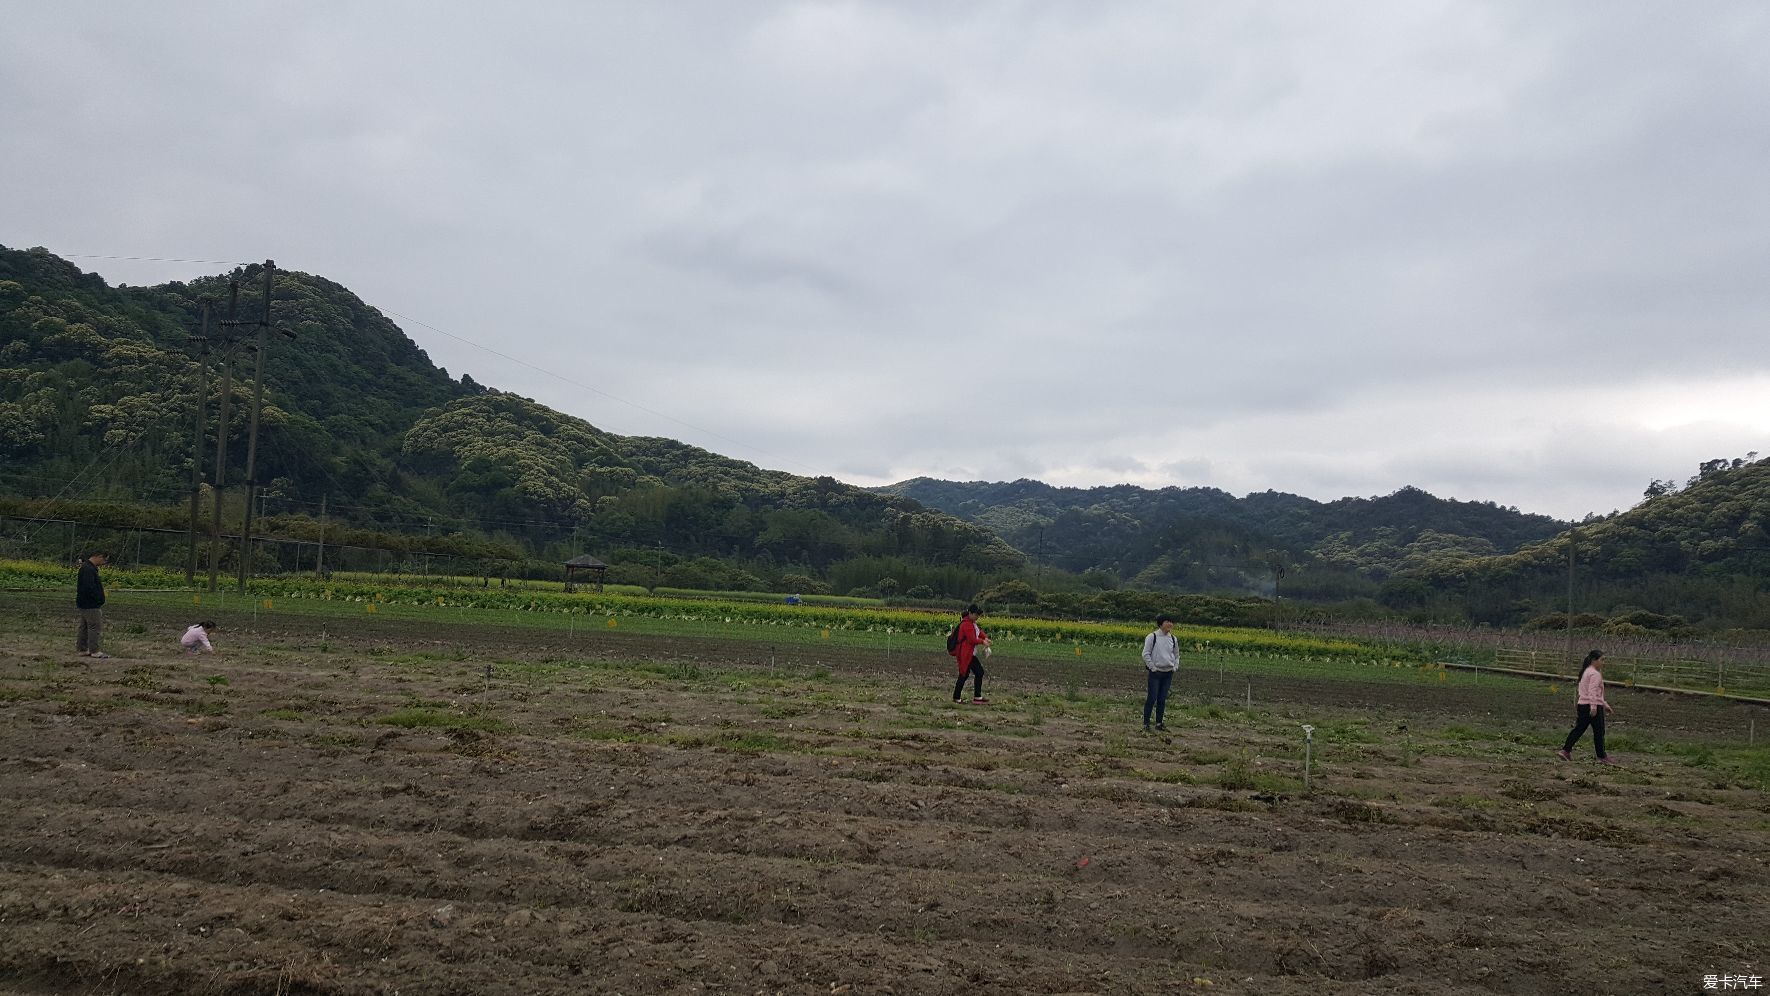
598,571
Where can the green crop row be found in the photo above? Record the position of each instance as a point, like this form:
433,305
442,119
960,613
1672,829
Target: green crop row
914,622
47,577
907,621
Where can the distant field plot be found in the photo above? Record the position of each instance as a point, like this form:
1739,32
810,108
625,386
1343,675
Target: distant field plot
429,798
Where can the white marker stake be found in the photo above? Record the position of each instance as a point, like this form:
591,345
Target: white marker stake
1308,750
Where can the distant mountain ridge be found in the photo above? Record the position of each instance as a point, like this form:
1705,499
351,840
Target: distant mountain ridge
1688,558
1198,537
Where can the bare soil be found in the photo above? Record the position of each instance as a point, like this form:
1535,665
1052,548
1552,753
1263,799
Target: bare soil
635,815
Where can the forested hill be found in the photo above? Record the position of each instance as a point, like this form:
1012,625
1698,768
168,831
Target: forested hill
97,398
1204,536
1700,552
86,368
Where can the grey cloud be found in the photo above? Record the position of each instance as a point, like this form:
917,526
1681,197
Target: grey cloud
1183,243
733,257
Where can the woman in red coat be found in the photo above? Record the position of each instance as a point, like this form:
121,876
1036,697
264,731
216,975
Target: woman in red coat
965,651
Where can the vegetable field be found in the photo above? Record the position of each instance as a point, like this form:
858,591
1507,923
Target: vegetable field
386,796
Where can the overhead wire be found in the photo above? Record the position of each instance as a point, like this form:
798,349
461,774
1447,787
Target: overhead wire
153,259
43,511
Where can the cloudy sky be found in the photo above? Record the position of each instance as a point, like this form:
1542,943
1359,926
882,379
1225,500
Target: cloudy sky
1503,251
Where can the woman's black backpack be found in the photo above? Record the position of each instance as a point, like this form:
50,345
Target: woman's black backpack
952,641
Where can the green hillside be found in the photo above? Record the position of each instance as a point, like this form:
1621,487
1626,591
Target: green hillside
97,395
89,371
1700,554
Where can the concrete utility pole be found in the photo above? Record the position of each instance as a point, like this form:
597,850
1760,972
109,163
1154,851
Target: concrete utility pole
252,435
227,390
319,562
202,406
1567,647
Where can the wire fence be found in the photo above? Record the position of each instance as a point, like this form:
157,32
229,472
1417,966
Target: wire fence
1479,644
1746,679
65,540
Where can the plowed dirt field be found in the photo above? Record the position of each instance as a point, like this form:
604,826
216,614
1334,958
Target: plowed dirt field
427,809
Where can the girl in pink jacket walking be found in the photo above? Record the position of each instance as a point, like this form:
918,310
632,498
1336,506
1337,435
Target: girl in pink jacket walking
1592,708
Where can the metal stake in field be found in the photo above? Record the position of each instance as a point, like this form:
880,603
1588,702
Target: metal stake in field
1308,752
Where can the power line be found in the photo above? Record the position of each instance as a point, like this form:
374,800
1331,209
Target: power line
168,493
59,498
439,516
153,259
291,540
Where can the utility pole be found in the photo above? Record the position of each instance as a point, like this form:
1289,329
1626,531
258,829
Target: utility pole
252,436
202,406
1567,647
227,390
319,563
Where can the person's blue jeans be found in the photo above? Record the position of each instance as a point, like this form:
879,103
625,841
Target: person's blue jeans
1157,699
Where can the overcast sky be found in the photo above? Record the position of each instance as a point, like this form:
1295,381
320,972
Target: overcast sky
1502,251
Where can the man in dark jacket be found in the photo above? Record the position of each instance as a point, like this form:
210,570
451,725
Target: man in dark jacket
89,599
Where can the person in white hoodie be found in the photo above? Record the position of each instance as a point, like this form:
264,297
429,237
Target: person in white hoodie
196,639
1161,657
